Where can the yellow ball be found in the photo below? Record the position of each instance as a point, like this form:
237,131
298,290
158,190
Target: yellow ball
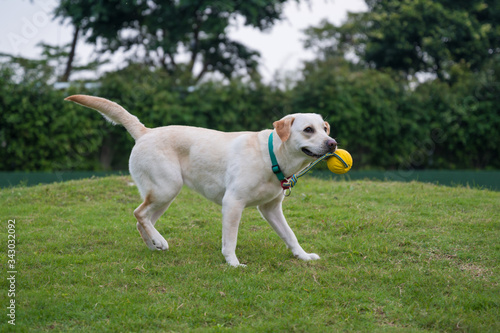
340,162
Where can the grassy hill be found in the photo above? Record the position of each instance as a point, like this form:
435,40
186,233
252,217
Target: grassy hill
394,256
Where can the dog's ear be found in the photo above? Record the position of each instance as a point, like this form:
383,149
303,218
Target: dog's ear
283,127
327,125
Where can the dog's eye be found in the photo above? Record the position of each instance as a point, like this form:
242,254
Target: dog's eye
309,130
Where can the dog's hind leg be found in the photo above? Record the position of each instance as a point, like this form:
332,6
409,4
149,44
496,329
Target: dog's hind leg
150,242
148,213
159,180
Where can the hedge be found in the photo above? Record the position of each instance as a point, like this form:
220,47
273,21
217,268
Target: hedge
383,120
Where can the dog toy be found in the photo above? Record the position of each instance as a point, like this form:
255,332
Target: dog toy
339,162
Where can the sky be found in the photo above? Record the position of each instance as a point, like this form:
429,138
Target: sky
26,23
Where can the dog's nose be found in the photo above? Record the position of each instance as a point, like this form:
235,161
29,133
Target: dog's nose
331,144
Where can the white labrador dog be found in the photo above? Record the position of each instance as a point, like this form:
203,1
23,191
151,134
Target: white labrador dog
231,169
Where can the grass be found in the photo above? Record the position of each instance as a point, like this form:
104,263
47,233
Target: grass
394,257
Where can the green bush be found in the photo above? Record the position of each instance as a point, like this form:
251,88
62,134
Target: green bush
384,121
39,131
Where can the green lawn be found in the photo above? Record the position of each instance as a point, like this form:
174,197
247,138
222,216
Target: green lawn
394,257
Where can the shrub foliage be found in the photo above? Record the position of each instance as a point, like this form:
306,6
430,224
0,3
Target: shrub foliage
384,121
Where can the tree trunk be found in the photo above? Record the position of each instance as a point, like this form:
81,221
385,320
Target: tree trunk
107,152
71,56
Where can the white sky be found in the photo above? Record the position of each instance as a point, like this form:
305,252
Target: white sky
24,23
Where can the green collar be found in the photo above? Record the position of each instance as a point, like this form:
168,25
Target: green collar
274,161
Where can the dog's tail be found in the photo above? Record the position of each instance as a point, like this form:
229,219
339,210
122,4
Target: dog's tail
113,112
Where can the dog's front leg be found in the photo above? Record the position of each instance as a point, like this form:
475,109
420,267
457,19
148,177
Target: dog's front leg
231,216
272,212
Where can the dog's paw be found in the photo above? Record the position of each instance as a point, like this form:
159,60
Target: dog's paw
313,256
157,242
308,256
234,262
237,265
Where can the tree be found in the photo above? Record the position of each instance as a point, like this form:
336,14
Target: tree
71,56
157,31
417,35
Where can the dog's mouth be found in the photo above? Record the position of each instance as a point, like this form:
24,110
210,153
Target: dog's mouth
310,153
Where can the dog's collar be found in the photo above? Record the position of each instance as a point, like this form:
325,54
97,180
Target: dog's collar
274,162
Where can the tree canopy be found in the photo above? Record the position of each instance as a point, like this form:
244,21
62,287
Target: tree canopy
416,35
157,31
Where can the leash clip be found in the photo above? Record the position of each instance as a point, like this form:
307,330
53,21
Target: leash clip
287,184
287,187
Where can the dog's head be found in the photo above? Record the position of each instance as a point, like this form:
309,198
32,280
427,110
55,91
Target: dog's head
306,133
